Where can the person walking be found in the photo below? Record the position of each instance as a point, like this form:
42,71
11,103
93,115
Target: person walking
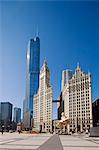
2,131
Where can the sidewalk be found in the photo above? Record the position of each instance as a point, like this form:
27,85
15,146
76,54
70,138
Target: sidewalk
53,143
15,141
70,142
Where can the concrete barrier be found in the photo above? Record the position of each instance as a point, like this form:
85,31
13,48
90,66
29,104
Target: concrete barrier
94,132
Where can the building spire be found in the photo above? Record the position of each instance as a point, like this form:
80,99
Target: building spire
37,32
45,62
89,72
78,65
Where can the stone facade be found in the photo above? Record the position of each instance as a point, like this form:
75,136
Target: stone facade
77,97
43,102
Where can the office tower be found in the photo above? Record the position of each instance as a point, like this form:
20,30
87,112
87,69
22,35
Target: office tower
43,102
95,110
77,97
17,115
66,75
32,80
5,115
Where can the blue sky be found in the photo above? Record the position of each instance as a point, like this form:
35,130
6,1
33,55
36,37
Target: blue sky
69,33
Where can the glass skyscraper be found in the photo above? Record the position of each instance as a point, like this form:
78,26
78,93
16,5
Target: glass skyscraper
32,79
17,115
5,115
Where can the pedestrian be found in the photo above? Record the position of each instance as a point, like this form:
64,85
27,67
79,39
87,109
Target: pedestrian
2,131
19,131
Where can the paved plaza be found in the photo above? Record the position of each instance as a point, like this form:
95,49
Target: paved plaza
15,141
79,142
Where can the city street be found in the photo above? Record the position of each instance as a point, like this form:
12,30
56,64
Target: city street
15,141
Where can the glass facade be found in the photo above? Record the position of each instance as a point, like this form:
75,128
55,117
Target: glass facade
17,115
5,114
32,76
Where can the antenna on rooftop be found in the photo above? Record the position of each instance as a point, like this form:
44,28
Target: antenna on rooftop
37,32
